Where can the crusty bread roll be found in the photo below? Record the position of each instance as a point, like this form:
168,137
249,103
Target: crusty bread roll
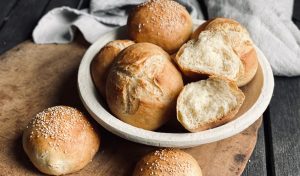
210,54
208,103
103,60
167,162
236,34
60,140
142,86
237,37
165,23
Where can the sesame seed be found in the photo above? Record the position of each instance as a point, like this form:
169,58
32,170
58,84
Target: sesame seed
173,165
164,13
56,123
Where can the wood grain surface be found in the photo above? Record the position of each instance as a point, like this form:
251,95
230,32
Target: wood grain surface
34,77
283,127
257,163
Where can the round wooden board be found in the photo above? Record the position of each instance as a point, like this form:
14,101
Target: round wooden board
34,77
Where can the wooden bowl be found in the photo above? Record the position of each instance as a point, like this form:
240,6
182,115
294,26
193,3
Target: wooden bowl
258,95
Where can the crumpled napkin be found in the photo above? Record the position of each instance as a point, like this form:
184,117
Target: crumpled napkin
269,23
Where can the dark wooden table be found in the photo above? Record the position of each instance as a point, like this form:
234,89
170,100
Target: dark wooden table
278,147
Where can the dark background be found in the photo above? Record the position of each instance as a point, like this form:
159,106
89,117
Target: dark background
278,148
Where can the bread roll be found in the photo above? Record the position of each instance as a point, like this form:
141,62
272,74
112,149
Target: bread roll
209,55
103,60
208,103
236,34
162,22
142,86
237,37
167,162
60,140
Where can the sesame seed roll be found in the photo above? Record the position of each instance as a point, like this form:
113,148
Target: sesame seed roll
60,140
167,162
165,23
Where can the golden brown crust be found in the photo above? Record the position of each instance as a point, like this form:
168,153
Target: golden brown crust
162,22
142,86
250,63
60,140
167,162
103,60
201,28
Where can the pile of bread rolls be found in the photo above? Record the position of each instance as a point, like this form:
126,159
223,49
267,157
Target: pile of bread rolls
145,87
165,70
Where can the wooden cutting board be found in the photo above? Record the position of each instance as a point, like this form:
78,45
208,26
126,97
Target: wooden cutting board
34,77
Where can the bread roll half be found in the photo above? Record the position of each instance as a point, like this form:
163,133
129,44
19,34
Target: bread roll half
142,86
209,55
103,60
167,162
237,37
208,103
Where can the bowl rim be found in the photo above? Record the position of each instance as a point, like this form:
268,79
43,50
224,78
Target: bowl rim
88,96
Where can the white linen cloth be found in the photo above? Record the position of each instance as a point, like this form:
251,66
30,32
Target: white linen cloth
268,21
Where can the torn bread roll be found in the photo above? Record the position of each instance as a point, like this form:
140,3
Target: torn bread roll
142,86
237,35
224,38
165,23
103,60
167,162
60,140
208,103
209,55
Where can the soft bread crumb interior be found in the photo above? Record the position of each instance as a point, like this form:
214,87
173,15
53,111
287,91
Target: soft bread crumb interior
237,36
211,53
205,101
